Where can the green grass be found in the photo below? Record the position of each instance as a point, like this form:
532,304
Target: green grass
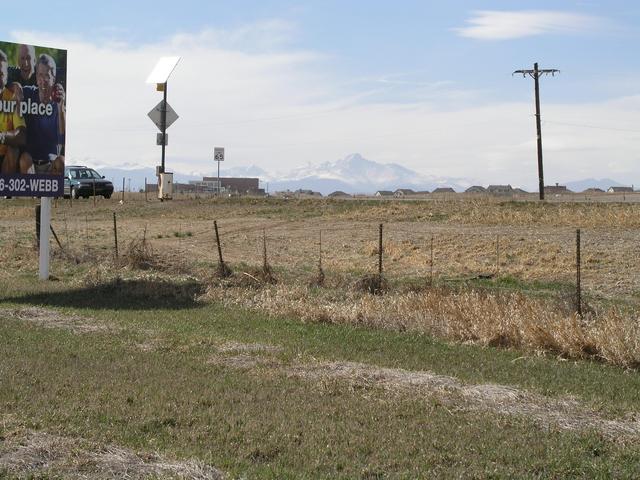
174,401
174,314
265,424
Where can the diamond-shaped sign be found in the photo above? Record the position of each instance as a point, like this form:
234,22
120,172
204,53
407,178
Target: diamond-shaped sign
156,115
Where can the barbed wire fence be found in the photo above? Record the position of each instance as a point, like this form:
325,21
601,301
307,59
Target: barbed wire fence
589,265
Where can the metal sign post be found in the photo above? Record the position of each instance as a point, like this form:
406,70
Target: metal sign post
163,116
218,156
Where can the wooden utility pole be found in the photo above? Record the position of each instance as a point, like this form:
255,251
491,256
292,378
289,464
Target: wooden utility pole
536,74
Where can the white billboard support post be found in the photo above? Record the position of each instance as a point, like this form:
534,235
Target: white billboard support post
45,227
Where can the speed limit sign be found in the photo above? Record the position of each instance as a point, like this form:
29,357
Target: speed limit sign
218,154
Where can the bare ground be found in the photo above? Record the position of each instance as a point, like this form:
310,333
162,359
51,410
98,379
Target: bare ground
564,414
26,453
486,240
46,318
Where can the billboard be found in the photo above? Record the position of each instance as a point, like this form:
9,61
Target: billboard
32,120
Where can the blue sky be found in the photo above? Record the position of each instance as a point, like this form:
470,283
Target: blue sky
424,84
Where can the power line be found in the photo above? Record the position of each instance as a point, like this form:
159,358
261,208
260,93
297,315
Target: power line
614,129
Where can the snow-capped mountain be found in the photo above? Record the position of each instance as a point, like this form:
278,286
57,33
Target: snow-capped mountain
356,174
250,171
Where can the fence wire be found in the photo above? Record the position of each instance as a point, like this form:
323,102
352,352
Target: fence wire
536,259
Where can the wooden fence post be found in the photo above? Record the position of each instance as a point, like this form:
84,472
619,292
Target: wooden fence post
223,270
215,226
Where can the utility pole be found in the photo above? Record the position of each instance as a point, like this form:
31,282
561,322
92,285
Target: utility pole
536,74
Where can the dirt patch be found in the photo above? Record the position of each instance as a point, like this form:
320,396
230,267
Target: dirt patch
244,362
248,348
36,454
43,317
566,414
148,346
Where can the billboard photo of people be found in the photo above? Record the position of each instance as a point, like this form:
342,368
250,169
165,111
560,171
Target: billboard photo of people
32,120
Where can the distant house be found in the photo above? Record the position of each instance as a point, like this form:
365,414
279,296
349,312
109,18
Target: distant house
620,190
444,190
500,189
384,193
556,189
403,192
283,194
236,185
307,193
476,189
520,191
339,194
183,188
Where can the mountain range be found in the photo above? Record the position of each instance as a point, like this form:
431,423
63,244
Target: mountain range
355,174
352,174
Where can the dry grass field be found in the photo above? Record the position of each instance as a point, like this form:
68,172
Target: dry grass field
475,312
492,257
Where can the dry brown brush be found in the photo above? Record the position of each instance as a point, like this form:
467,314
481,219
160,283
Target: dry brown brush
501,320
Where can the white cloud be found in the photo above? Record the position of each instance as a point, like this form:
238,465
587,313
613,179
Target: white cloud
280,110
504,25
264,35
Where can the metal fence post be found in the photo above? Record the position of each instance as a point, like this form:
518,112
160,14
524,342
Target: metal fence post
431,264
497,254
578,274
115,233
38,208
380,251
